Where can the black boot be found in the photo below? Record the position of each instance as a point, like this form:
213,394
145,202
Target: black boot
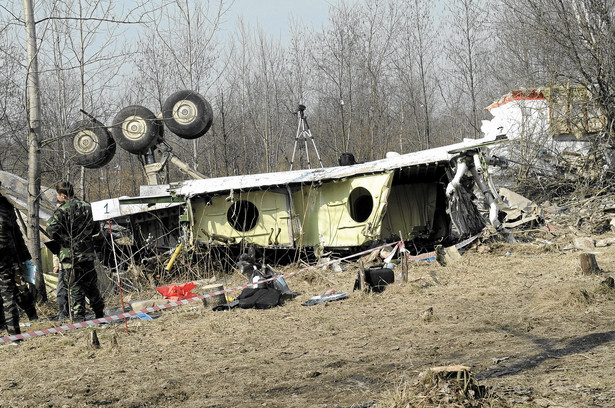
32,315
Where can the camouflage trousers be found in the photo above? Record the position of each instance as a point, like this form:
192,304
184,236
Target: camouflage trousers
82,283
9,315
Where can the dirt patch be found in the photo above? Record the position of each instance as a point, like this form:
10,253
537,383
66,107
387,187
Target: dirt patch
532,329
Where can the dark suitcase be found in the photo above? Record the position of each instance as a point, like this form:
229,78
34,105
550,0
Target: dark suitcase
377,277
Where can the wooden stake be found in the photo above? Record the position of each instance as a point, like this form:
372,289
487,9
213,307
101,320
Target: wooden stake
361,276
404,260
94,343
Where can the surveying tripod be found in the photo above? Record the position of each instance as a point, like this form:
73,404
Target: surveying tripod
303,131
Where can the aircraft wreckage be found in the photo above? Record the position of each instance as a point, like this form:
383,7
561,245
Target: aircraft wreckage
424,197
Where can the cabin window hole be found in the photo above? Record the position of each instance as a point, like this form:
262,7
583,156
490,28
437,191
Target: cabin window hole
242,215
361,204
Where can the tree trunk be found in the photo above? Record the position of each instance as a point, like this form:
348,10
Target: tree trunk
34,137
589,266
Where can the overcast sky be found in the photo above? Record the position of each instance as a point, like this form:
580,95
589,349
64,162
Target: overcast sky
274,15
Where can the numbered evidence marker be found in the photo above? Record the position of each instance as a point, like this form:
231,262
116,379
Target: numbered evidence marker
105,209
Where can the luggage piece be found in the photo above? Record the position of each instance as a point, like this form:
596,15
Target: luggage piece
377,278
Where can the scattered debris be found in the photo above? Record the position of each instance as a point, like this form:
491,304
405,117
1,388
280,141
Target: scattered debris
609,283
518,210
499,360
329,296
426,315
583,243
177,292
214,301
143,304
454,384
448,255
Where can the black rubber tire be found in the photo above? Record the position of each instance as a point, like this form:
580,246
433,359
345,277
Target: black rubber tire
91,144
187,114
136,129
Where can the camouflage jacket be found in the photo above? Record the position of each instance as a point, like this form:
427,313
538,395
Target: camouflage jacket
12,245
72,226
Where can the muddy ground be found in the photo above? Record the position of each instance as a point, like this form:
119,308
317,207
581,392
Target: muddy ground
533,329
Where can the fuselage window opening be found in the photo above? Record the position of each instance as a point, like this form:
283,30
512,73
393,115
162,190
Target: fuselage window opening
361,204
242,215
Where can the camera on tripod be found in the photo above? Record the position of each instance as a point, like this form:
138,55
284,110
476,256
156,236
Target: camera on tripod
300,110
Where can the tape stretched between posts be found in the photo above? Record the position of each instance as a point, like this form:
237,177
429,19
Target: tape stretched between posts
122,316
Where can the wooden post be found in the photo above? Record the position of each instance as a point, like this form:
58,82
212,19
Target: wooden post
589,266
361,276
93,340
404,260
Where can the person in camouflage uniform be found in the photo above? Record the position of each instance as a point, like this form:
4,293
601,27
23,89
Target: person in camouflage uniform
72,226
13,251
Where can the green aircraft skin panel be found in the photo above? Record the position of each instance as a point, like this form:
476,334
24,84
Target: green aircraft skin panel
326,212
338,213
268,226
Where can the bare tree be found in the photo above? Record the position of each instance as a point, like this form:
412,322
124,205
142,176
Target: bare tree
13,144
334,52
466,50
181,52
84,67
34,138
258,83
415,63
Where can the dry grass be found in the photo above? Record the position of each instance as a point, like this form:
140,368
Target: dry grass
533,329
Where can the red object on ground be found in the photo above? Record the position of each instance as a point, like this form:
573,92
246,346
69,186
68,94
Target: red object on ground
177,292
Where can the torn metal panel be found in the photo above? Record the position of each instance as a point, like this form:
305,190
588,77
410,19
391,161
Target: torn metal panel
342,207
545,127
519,210
15,189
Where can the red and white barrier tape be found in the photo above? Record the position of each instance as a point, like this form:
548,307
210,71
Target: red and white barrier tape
122,316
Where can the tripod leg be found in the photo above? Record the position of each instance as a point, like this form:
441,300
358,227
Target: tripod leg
315,149
307,151
292,160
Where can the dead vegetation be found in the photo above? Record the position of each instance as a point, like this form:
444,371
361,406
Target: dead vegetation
530,327
507,324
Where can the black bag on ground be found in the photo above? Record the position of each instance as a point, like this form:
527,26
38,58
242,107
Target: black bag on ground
259,298
377,277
